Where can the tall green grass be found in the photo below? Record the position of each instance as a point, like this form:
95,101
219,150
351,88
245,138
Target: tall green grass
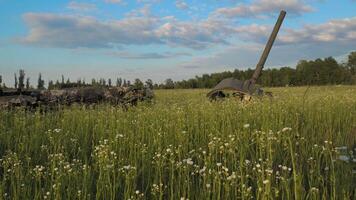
184,147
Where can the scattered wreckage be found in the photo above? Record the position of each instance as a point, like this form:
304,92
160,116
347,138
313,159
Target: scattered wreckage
244,90
124,96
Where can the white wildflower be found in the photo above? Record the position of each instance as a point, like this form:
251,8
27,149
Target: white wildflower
285,129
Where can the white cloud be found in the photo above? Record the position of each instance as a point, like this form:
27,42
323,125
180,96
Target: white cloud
337,30
145,11
114,1
195,35
70,31
78,6
265,7
165,55
181,5
335,37
148,1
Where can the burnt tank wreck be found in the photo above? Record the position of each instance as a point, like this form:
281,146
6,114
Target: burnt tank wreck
246,89
31,99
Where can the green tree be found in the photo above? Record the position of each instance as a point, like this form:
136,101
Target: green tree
51,85
93,82
149,83
138,83
16,83
40,82
351,63
21,79
118,82
56,85
28,83
169,84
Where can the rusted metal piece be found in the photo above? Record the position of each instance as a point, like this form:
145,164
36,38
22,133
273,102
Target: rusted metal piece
247,88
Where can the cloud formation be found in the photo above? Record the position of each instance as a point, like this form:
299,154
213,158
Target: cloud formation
265,7
78,6
148,1
165,55
114,1
195,35
337,30
180,4
335,37
71,31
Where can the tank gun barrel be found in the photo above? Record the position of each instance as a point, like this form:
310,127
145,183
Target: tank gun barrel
268,47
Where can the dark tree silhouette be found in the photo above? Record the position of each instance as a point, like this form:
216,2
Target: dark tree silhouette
149,83
21,79
51,85
138,83
16,81
351,63
169,84
40,82
28,83
118,82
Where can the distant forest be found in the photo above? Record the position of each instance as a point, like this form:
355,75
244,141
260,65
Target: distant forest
315,72
325,71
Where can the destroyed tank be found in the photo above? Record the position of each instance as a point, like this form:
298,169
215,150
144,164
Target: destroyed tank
123,96
16,98
245,89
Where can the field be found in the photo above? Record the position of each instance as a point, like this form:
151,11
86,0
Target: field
300,145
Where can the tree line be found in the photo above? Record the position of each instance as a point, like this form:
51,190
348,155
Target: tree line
19,83
325,71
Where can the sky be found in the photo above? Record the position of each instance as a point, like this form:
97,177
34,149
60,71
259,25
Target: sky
160,39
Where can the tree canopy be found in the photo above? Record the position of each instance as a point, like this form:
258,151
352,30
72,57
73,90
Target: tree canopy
325,71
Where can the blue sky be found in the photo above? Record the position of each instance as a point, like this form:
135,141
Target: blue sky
161,39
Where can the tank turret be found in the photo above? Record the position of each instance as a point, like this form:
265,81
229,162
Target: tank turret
245,88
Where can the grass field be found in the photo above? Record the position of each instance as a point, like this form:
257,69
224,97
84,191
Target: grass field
300,145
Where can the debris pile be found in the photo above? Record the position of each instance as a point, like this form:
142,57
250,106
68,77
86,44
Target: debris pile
123,96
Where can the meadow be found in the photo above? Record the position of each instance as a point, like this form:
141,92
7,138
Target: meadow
300,145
